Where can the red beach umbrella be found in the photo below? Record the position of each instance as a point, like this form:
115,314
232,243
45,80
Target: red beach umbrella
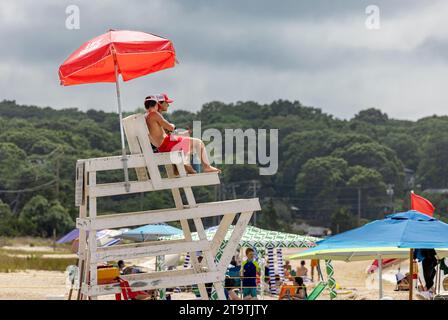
130,53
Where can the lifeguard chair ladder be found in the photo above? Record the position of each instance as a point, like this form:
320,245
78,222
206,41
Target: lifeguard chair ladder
146,163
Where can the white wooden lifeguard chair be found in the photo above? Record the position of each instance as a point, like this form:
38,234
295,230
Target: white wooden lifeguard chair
146,164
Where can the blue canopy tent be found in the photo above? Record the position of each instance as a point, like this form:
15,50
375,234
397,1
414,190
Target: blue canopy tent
105,238
151,232
69,237
395,236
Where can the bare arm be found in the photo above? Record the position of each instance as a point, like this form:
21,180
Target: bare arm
163,123
301,293
184,133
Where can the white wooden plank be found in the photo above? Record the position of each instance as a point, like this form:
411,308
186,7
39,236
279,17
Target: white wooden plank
82,248
234,240
82,244
203,210
134,147
186,228
134,161
113,189
142,133
114,162
154,281
209,258
195,257
209,261
148,249
220,290
137,134
222,231
79,183
92,234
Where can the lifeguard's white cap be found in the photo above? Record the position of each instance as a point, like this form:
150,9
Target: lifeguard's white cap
159,98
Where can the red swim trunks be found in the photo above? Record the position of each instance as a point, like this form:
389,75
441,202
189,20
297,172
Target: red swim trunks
175,143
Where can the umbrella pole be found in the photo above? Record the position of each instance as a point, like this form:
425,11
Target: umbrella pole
380,276
411,272
123,147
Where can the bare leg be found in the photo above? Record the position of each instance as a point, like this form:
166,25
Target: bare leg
198,147
189,168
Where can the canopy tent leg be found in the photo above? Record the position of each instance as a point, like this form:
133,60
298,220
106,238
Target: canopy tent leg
281,270
187,261
120,115
262,260
272,270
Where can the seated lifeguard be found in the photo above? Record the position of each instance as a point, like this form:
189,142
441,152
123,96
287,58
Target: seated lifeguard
162,137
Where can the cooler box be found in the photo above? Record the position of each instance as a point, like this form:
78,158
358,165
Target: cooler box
107,275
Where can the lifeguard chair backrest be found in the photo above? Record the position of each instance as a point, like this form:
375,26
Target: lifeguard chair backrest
137,135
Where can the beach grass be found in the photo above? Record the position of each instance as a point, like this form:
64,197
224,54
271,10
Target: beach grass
12,263
17,258
31,241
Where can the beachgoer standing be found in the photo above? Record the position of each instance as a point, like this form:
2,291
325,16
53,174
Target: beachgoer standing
249,269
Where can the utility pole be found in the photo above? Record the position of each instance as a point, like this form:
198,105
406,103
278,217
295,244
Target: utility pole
390,193
254,186
223,192
58,153
57,177
141,201
233,190
54,239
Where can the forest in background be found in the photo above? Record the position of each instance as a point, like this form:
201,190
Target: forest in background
330,170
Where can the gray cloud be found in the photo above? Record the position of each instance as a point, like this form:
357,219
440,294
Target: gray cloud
317,52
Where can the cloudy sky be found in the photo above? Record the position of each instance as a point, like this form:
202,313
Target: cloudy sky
318,52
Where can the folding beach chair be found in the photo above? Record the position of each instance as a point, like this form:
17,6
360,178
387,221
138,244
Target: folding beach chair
287,291
127,293
196,292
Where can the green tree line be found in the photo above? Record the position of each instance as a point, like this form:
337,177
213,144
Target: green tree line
328,167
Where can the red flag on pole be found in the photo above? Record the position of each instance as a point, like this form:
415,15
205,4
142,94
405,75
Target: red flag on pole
421,204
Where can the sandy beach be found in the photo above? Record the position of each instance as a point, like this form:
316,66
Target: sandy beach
352,279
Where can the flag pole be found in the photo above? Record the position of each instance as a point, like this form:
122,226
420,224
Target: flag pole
411,271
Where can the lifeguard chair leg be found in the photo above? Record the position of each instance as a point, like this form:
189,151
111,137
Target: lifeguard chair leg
82,233
92,266
186,228
208,255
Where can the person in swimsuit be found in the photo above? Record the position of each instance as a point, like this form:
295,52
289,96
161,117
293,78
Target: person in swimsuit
302,271
161,136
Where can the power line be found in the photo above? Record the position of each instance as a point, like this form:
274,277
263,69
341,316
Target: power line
308,186
42,186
